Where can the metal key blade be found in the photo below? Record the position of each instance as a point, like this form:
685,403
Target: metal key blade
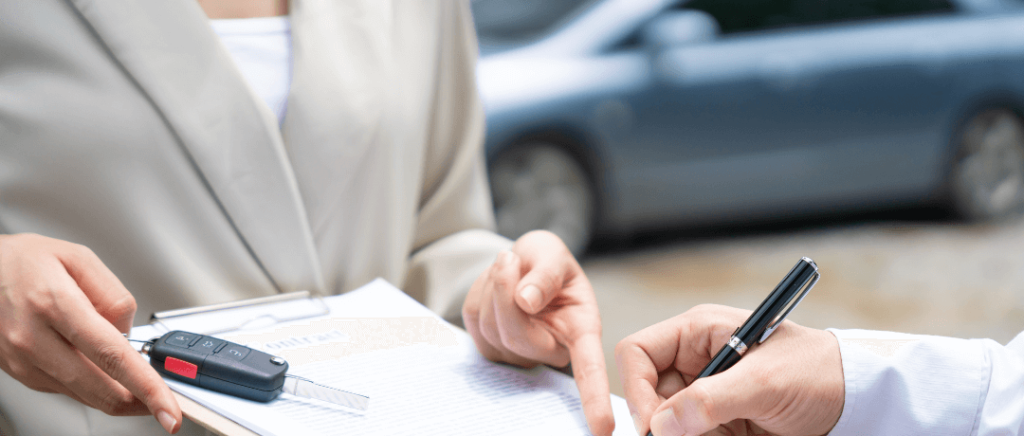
305,388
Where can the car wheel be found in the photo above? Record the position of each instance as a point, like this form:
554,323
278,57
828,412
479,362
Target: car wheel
987,176
541,186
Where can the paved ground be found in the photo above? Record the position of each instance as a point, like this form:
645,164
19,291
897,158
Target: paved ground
932,277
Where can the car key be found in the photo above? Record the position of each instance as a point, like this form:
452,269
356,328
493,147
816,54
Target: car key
237,370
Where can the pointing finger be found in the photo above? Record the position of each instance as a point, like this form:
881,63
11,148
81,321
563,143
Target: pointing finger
592,379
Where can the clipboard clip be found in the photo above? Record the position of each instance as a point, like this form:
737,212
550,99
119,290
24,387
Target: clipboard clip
242,314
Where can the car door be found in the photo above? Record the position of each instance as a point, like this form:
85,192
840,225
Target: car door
781,114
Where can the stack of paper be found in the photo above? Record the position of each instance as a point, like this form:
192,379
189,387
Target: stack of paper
423,377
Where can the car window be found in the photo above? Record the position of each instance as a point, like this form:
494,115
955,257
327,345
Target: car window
519,20
751,15
862,9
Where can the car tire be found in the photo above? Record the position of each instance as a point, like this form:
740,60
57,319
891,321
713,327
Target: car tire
543,186
987,174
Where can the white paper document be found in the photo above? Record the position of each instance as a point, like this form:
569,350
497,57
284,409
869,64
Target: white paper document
423,377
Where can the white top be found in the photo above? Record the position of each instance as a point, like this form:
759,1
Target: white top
899,384
262,50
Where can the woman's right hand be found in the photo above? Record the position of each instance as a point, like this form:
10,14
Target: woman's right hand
791,385
62,313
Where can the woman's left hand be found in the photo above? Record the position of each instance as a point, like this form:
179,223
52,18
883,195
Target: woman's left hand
534,305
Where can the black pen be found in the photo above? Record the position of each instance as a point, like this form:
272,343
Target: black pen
772,311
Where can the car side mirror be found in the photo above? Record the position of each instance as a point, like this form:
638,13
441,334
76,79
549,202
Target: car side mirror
680,27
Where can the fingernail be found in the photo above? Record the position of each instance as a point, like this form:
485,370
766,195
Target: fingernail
532,297
166,420
506,257
666,424
636,423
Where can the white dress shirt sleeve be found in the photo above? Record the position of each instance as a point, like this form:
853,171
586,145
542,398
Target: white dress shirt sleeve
900,384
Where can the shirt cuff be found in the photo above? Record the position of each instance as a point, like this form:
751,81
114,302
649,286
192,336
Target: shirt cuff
909,384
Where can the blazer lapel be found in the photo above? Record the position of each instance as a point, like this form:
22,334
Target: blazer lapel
168,48
340,123
338,95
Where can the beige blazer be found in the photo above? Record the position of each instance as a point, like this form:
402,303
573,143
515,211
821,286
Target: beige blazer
126,127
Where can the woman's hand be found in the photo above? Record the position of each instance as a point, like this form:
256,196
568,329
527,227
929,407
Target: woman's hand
792,384
534,305
62,313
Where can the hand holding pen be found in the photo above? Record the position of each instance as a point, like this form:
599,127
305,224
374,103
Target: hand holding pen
793,385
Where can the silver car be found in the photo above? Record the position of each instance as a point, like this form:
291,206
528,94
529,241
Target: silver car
619,115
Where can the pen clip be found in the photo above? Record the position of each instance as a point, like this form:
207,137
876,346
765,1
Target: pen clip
792,305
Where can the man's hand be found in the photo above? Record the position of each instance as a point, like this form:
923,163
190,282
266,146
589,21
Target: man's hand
62,313
790,385
535,305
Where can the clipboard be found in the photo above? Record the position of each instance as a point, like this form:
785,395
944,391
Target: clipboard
245,314
365,342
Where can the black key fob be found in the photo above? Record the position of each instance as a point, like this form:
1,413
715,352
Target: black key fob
218,365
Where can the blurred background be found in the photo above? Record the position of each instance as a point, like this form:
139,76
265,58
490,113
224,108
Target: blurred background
692,151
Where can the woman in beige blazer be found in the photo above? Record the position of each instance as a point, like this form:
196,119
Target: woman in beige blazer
126,128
